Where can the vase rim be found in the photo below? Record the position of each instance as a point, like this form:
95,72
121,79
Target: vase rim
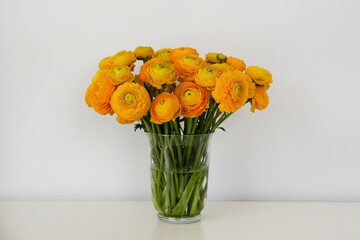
181,135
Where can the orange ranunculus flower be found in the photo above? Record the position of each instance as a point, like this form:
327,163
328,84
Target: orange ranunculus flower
106,63
130,102
221,67
206,77
165,107
161,73
145,69
180,52
215,58
188,65
260,101
231,91
126,58
99,93
251,86
144,52
260,75
236,63
163,54
120,74
193,98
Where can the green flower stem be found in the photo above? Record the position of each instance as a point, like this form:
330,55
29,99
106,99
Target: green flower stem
209,116
178,180
169,177
181,206
220,121
191,139
195,198
155,200
200,152
203,192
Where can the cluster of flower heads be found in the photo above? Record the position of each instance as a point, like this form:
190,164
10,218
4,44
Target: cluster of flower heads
174,82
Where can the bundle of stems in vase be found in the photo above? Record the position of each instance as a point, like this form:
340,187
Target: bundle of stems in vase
179,99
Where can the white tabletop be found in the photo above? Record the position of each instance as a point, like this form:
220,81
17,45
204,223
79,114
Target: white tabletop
107,220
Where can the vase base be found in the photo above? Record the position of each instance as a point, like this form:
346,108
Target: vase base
180,220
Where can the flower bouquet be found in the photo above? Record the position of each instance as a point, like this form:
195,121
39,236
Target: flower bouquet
179,100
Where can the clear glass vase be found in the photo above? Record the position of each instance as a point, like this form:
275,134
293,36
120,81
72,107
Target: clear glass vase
179,175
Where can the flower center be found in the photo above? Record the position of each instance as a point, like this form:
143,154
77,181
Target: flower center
129,98
189,93
237,90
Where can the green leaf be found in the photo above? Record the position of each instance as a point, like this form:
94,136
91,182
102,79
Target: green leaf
138,126
222,128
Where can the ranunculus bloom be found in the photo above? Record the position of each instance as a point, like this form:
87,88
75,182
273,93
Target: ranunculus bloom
206,77
231,91
99,93
188,65
193,98
251,86
236,63
221,67
130,102
165,107
144,52
106,63
260,101
215,57
161,73
163,54
126,58
180,52
145,69
120,74
260,75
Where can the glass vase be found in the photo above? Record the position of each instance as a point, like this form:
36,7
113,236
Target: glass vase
179,175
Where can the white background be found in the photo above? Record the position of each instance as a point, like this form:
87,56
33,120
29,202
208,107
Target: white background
305,146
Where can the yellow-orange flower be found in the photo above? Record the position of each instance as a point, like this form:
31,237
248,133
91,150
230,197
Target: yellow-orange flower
165,107
180,52
206,77
251,86
126,58
163,54
145,69
106,63
144,52
161,73
130,102
231,91
236,63
99,93
120,74
188,65
221,67
260,75
215,57
260,100
193,98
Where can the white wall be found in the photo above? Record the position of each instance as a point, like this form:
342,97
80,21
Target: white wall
305,146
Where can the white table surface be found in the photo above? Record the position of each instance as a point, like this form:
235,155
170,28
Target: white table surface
107,220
